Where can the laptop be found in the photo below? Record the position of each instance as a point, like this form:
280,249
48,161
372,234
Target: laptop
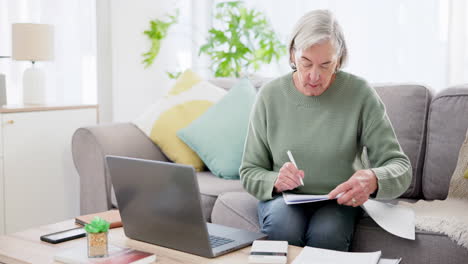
160,203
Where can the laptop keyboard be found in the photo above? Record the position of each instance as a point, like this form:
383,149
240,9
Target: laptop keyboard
217,241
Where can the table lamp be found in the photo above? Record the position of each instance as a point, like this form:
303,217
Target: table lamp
33,42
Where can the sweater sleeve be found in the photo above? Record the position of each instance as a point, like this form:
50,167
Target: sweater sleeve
391,166
255,171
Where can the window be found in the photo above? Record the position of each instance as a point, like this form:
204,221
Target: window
388,41
71,76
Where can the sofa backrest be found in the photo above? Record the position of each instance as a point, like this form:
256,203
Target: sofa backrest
407,107
446,130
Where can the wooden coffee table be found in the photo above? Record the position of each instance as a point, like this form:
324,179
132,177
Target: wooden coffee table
25,247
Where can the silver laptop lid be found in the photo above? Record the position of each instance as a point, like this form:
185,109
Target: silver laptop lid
160,204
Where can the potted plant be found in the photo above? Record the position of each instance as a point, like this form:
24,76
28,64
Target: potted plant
243,41
97,237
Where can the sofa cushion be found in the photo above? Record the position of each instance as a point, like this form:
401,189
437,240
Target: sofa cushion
447,125
236,209
407,107
219,134
210,187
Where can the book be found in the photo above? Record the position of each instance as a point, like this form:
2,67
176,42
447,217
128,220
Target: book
112,216
269,251
326,256
117,255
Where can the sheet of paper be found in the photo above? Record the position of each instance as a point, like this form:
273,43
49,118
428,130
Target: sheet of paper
325,256
291,198
395,219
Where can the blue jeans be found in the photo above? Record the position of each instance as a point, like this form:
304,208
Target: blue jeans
323,224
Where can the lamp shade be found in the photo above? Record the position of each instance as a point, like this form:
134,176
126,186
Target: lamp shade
32,42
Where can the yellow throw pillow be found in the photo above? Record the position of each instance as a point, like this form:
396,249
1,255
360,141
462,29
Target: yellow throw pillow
188,99
185,81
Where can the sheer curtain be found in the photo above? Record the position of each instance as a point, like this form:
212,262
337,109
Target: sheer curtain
418,41
458,41
71,76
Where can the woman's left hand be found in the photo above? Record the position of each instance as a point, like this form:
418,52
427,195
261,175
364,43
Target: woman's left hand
357,189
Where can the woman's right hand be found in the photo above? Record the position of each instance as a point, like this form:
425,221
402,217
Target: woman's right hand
288,178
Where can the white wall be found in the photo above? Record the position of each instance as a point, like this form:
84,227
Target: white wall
134,88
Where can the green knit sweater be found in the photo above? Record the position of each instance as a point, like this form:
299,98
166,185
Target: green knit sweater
326,135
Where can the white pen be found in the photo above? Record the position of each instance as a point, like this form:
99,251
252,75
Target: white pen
291,158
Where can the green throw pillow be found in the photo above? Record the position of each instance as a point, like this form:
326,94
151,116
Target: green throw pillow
218,135
466,174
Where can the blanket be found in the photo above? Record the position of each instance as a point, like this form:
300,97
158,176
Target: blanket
448,216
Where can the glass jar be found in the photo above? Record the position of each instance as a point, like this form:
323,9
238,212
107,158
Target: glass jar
97,244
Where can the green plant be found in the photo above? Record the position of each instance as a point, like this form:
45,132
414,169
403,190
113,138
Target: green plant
243,42
173,75
97,225
158,31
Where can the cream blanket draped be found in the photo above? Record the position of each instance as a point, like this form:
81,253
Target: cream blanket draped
448,216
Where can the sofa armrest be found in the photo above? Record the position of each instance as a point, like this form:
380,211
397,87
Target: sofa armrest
89,147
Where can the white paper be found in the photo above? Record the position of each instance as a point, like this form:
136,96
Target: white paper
395,219
269,246
278,250
326,256
291,198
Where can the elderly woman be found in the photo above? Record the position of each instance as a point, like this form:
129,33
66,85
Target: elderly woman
326,117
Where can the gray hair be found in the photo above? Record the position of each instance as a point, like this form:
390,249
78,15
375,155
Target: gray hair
314,27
